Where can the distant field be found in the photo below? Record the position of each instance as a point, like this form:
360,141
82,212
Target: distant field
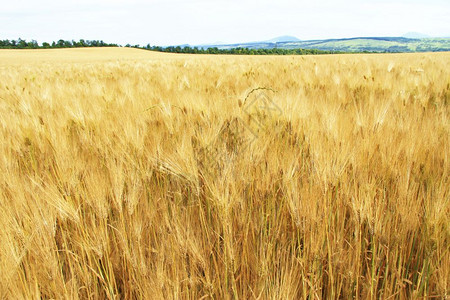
25,56
130,174
361,44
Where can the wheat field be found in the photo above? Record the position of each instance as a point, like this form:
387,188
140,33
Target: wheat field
127,174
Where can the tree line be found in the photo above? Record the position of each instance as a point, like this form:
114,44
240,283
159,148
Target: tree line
23,44
235,51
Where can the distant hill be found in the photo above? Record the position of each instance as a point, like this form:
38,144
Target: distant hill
283,39
415,35
357,44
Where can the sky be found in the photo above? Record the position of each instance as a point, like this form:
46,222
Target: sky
176,22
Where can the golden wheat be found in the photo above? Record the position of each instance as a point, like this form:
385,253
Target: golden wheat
127,174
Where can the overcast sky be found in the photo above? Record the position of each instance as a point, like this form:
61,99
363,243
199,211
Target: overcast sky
173,22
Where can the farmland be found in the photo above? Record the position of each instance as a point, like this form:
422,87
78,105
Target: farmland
130,174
